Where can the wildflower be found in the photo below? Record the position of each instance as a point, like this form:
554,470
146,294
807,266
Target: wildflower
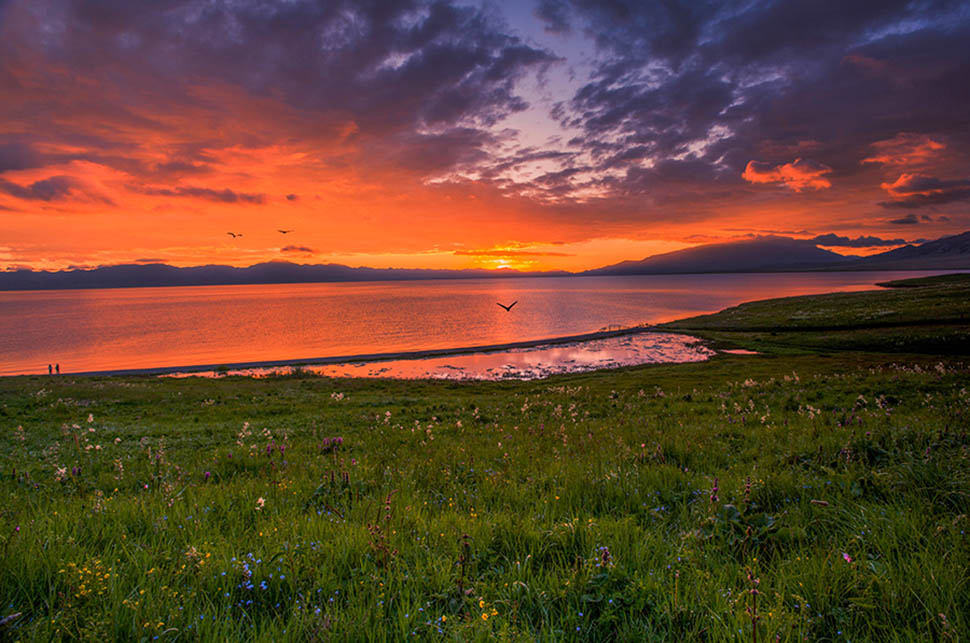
847,558
207,475
714,490
193,555
484,616
605,559
260,503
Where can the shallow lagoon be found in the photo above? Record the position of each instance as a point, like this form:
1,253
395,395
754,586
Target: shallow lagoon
520,364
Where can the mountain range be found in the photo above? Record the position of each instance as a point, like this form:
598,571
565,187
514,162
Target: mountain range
784,254
271,272
760,254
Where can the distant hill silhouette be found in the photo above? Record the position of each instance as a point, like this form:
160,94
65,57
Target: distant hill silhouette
761,254
784,254
943,254
273,272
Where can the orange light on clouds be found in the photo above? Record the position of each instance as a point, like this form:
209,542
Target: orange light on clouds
490,142
905,149
800,174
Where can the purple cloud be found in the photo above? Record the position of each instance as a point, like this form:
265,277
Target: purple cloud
224,196
838,241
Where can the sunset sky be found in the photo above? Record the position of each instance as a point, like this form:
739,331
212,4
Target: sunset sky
558,134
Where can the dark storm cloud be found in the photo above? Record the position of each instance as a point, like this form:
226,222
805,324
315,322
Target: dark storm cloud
730,83
909,219
180,168
555,15
838,241
797,26
54,188
672,180
395,68
656,119
434,152
18,156
223,196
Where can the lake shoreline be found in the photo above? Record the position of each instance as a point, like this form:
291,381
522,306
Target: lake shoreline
376,357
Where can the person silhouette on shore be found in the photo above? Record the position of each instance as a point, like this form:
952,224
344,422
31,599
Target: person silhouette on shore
57,368
50,369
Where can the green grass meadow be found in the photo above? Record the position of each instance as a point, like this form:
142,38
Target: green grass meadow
817,491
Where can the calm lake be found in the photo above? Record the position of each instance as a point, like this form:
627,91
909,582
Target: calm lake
94,330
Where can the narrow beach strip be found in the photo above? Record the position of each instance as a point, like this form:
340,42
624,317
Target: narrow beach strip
380,357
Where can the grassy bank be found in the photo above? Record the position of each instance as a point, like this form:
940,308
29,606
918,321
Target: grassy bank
639,504
924,315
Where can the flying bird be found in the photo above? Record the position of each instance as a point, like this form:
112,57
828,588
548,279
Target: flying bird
234,234
509,307
284,231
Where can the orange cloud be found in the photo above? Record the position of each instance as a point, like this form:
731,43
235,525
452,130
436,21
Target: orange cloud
916,190
905,149
800,174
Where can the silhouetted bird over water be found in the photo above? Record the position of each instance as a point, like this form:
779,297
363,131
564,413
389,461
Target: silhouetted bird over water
234,234
509,307
283,231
